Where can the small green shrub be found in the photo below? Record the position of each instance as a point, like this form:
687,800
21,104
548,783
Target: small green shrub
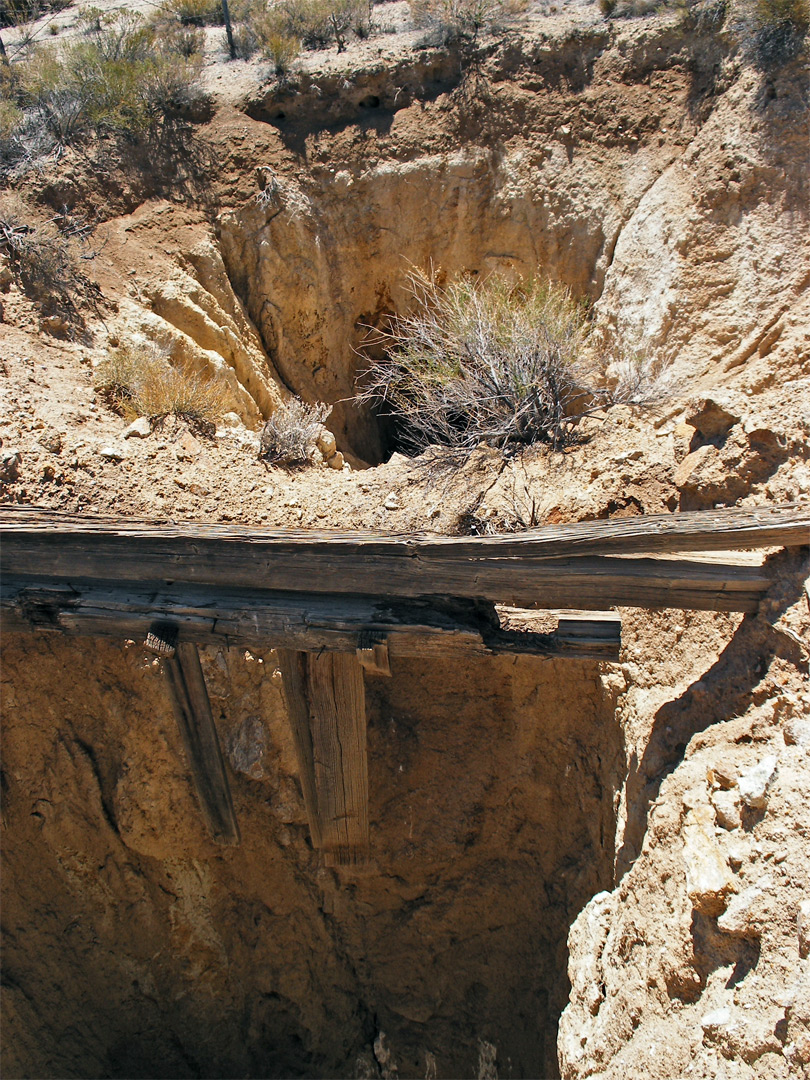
282,50
289,436
121,78
140,380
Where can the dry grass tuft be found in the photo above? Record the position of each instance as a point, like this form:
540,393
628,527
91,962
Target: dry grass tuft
140,380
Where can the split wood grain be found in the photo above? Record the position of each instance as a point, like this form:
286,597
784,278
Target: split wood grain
325,698
592,583
192,709
725,529
381,629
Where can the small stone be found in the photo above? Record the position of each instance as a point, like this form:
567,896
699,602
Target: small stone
716,1019
727,809
708,877
188,448
711,419
737,851
398,459
685,474
111,453
231,419
139,429
682,435
10,466
52,443
327,443
336,460
803,927
754,783
722,774
392,502
745,915
796,731
247,747
55,324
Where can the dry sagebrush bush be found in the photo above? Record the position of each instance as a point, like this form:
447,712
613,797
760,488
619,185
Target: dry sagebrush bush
497,363
280,29
480,362
121,77
289,436
464,18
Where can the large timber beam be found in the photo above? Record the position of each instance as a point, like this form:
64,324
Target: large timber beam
325,698
725,529
298,621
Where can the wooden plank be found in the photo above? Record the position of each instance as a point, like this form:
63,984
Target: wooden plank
726,529
325,699
584,582
436,628
293,668
337,703
192,709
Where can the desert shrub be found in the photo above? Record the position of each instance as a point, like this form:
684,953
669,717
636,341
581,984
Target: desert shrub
12,122
15,12
626,9
314,23
119,78
281,50
483,362
463,18
259,29
140,380
772,32
195,12
39,254
290,435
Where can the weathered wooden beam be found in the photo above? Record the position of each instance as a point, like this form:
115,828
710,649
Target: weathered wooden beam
594,583
376,626
725,529
325,699
192,710
293,668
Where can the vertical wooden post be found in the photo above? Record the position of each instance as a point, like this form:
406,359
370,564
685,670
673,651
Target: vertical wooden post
326,702
226,17
193,712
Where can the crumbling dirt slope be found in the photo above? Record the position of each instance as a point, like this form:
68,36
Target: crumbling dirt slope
651,169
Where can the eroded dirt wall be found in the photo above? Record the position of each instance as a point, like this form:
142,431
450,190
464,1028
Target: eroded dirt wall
135,947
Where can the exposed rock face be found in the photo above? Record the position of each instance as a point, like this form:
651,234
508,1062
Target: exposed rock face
658,806
679,216
492,804
693,965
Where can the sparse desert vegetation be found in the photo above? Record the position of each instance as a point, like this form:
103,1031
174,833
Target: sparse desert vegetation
492,361
139,379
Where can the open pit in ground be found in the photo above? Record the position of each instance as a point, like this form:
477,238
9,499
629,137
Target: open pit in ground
656,173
